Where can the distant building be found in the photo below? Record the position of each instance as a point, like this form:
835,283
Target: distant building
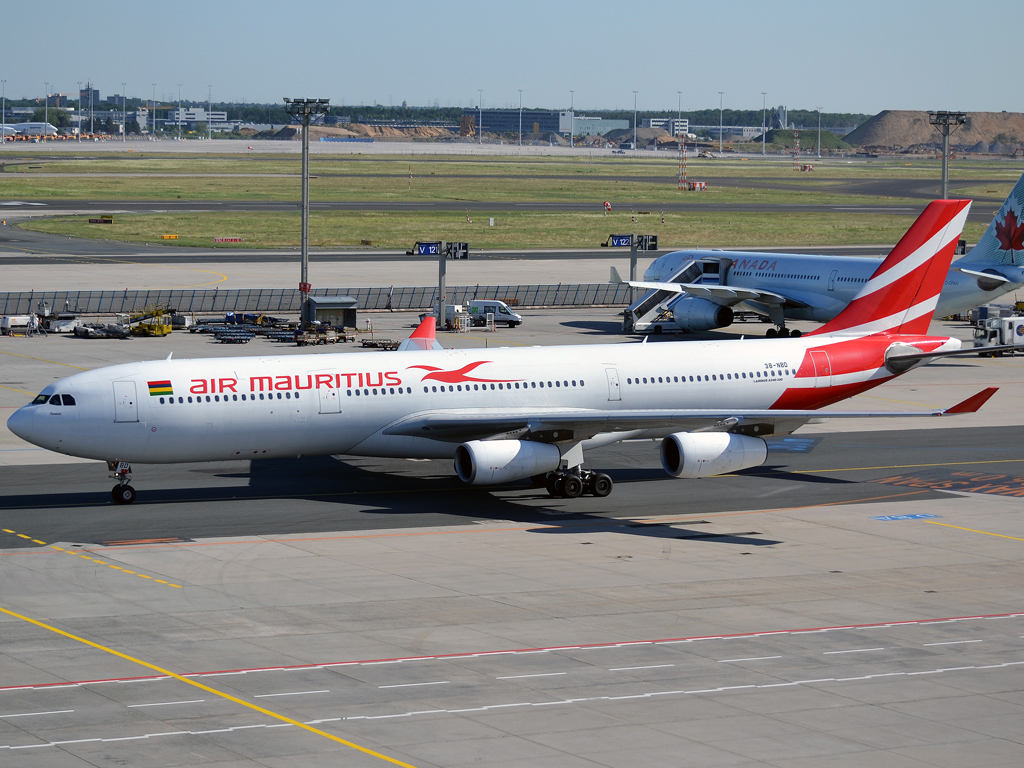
507,120
582,125
87,97
735,131
192,116
673,125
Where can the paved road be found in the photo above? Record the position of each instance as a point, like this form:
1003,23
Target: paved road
196,501
21,246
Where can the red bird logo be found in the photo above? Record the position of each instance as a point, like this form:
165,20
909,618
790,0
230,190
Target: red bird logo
455,377
1010,233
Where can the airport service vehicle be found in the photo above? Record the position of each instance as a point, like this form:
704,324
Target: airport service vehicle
993,335
508,414
701,290
479,309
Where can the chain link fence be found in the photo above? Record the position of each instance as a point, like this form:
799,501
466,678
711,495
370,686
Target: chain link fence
286,300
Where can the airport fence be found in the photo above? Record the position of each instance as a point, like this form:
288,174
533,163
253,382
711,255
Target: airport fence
286,300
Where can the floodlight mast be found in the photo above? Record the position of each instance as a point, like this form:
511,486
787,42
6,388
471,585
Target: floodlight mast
305,110
943,119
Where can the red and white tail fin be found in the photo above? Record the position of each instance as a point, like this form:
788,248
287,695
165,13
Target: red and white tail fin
424,337
902,293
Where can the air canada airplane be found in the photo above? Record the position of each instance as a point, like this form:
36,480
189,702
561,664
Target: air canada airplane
700,290
510,414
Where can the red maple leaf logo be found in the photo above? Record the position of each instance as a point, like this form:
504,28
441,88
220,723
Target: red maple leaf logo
455,377
1010,233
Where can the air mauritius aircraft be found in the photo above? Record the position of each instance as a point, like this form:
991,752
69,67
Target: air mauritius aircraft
510,414
807,287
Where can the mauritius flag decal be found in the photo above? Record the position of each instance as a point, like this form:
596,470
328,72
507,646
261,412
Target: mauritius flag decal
160,388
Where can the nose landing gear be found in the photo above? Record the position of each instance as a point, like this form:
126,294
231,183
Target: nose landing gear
122,493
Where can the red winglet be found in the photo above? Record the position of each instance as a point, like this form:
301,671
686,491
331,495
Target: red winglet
427,329
973,403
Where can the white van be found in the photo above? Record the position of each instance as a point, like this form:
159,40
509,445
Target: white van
480,308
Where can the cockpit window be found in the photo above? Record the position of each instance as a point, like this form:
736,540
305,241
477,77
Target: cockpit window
68,399
40,399
55,400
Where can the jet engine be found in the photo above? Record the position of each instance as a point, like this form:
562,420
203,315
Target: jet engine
700,454
487,462
695,314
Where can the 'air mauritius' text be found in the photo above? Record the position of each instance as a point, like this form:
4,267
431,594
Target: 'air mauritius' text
301,381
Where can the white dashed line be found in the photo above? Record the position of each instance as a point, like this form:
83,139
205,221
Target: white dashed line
542,674
291,693
32,714
753,658
853,650
954,642
165,703
413,685
652,666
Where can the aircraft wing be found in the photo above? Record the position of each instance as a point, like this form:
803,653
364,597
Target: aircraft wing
726,295
984,275
579,424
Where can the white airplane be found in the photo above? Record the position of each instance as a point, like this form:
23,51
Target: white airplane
509,414
811,287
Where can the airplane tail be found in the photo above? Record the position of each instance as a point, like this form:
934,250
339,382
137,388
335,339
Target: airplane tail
902,293
1003,241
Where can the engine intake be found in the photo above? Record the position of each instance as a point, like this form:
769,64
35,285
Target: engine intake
695,314
488,462
701,454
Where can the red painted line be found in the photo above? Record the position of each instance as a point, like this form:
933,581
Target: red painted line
515,651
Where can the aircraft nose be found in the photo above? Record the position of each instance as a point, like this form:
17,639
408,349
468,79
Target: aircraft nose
20,423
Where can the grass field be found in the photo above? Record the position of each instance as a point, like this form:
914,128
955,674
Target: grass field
527,230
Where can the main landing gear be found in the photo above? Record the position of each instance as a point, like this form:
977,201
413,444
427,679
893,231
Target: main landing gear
122,493
573,483
782,333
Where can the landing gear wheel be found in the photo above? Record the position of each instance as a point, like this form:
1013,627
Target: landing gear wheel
601,485
771,333
795,334
554,485
783,333
539,480
123,494
572,487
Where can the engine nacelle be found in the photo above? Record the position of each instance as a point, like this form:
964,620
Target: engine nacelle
487,462
700,454
695,314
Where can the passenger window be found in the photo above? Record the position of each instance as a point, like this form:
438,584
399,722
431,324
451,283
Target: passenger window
69,400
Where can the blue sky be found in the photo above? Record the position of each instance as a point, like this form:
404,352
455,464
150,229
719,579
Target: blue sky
852,57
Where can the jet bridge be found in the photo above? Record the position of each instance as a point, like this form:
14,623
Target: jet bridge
652,313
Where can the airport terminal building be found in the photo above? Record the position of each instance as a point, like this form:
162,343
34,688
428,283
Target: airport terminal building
543,121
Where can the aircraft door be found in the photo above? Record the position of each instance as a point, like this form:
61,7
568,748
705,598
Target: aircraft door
822,368
613,384
832,280
330,398
126,403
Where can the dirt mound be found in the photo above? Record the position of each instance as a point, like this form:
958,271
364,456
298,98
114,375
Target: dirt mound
329,131
644,136
903,128
387,132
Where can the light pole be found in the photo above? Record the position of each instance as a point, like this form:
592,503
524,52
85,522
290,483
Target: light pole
46,108
153,128
943,120
764,127
679,120
124,114
179,111
92,108
79,111
634,121
819,133
572,116
3,116
209,113
720,95
520,118
304,109
480,111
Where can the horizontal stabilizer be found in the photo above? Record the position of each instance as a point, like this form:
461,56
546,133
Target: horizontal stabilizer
972,403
